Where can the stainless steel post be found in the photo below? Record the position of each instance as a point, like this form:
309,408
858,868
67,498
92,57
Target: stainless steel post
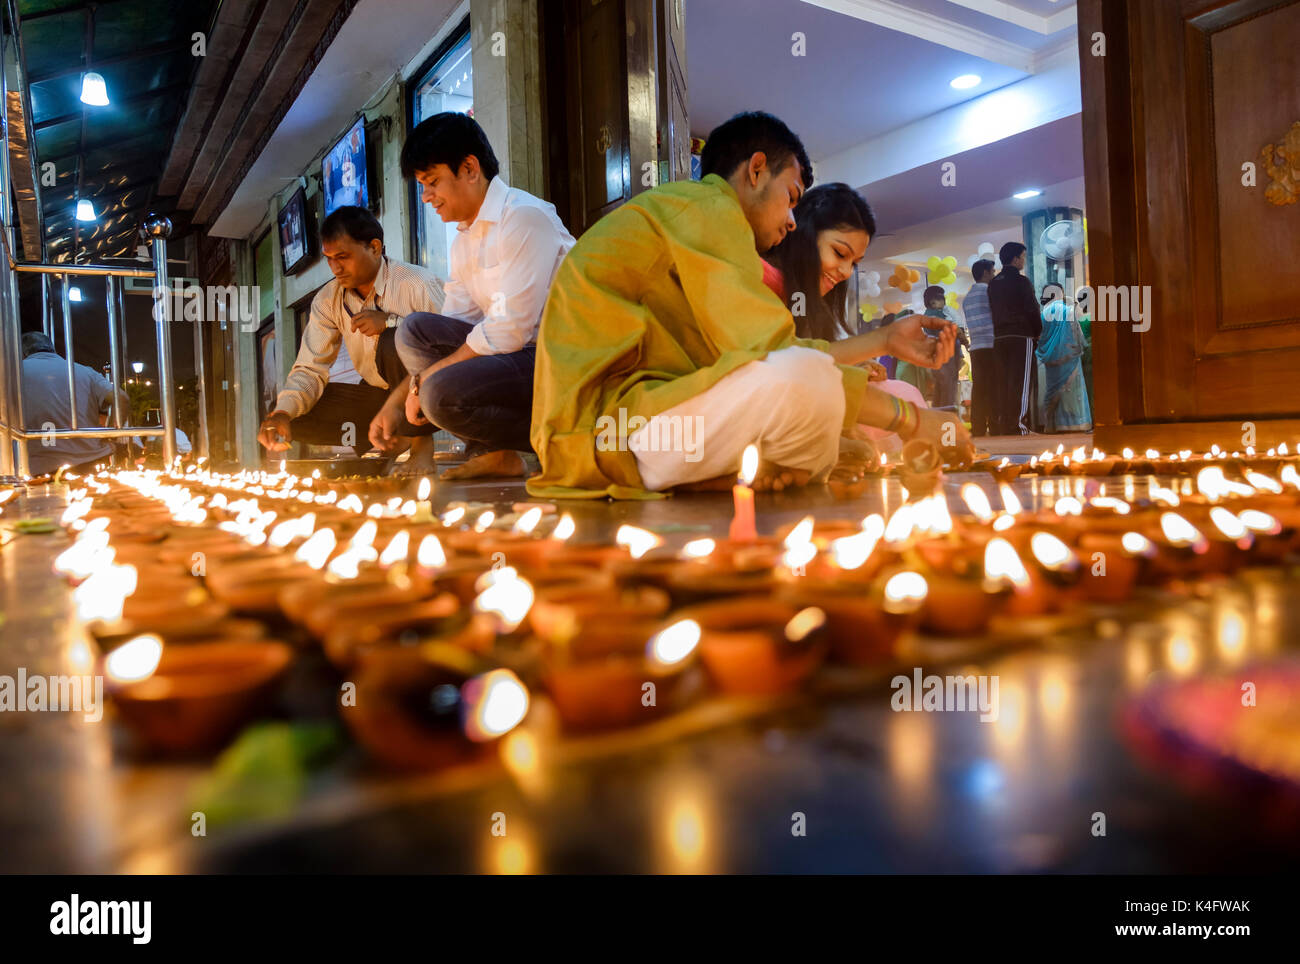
157,229
115,373
67,351
14,458
201,443
47,311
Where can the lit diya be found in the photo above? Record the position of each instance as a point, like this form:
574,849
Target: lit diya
253,586
358,637
1112,564
759,646
433,707
185,699
864,627
599,683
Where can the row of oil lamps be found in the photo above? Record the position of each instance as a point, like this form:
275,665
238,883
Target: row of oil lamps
441,626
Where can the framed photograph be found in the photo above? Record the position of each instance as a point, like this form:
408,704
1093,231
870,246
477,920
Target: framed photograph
344,175
268,366
295,234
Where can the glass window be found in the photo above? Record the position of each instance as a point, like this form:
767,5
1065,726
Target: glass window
446,86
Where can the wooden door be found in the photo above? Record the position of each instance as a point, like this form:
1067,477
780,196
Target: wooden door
1179,113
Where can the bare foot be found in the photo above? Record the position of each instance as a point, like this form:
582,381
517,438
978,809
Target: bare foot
774,478
721,483
503,463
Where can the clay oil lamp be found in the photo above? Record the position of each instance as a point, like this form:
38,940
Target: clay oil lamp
864,626
1003,469
1112,564
441,619
936,540
1273,541
961,603
630,541
1031,593
697,556
432,706
851,559
726,570
253,586
1056,566
191,699
759,646
1181,546
518,546
605,683
592,621
920,467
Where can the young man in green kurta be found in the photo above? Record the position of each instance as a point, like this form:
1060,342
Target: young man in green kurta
662,355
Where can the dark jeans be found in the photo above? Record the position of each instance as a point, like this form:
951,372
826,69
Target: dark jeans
342,414
486,401
946,379
984,381
1014,353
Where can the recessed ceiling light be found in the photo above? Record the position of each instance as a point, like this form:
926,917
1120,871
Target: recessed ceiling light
965,81
93,91
1021,195
85,210
74,294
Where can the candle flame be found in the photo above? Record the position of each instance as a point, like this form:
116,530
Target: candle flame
1009,501
452,516
365,536
346,565
1118,506
564,529
1052,553
495,703
351,503
528,521
1228,523
901,524
698,549
671,646
977,502
103,593
1127,453
425,487
1003,566
637,541
508,597
1068,505
396,551
430,554
804,624
1003,522
749,465
1261,481
801,534
134,660
851,552
1257,521
905,592
1136,544
316,550
1179,532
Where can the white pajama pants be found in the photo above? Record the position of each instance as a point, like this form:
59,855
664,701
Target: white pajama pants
790,404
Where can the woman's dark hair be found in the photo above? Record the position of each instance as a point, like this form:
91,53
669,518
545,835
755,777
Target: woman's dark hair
735,141
827,207
355,222
447,138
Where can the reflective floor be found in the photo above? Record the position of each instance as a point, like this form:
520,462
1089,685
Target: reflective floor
828,785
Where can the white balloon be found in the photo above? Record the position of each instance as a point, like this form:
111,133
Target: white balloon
986,248
872,290
873,276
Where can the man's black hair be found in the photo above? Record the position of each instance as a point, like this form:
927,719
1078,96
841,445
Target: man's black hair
981,268
355,222
1010,251
733,142
447,138
934,291
37,341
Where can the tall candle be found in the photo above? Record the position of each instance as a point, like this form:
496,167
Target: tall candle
742,521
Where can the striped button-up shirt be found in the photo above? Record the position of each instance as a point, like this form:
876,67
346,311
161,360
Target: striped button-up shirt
400,289
979,318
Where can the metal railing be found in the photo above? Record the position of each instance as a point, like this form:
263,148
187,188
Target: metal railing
14,436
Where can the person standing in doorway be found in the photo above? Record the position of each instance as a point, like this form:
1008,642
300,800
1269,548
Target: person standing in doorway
1017,323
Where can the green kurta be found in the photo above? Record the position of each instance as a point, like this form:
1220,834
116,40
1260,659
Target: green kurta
655,304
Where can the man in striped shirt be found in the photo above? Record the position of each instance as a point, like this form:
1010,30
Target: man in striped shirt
983,365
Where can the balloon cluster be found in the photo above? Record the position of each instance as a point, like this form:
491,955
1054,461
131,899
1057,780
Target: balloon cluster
942,270
983,253
903,278
894,307
870,285
867,310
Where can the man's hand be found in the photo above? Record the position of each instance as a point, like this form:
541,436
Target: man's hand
414,414
907,340
370,322
948,432
274,433
384,428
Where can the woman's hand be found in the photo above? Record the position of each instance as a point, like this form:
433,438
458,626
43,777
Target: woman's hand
948,432
906,339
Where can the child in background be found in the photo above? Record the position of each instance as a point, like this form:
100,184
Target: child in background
945,379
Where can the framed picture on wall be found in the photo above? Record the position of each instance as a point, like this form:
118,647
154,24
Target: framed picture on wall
268,366
295,233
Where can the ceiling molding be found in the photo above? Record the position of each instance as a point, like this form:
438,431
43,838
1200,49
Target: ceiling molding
895,16
1064,18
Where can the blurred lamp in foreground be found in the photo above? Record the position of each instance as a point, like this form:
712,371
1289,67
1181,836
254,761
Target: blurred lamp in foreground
85,210
93,91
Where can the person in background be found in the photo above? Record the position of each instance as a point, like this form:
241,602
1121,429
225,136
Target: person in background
945,379
1017,322
46,406
358,310
472,362
983,365
1060,349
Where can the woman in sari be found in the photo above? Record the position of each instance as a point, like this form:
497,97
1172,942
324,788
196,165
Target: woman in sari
1060,350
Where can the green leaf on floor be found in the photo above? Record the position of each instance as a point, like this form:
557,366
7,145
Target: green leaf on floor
262,774
34,526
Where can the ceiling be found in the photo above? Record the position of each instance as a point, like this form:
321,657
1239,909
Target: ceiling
109,155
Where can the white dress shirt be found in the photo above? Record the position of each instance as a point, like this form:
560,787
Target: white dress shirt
400,289
501,266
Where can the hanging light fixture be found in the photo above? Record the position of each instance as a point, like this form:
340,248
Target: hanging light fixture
85,210
93,91
74,294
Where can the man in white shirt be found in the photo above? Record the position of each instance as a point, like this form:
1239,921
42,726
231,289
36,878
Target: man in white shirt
472,364
359,310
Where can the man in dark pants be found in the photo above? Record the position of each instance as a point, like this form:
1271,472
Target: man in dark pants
983,363
1017,323
358,311
471,364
